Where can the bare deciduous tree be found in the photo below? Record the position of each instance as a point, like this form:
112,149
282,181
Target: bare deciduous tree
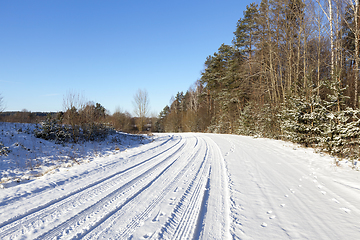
73,100
141,107
122,120
72,103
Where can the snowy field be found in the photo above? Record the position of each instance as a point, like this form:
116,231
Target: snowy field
173,186
30,157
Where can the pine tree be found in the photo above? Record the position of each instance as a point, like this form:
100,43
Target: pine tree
302,120
336,120
161,121
219,80
246,34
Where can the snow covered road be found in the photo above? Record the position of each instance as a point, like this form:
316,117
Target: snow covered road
283,192
189,186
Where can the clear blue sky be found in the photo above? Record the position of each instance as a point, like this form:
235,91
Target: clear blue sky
105,49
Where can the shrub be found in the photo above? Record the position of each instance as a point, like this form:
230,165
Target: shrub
52,129
4,150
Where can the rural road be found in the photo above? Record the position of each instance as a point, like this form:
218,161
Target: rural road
191,186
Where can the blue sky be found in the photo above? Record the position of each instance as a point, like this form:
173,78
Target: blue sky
106,50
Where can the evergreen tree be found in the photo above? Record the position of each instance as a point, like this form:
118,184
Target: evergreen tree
161,121
303,120
336,120
246,34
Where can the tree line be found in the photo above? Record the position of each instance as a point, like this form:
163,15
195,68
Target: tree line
291,72
83,117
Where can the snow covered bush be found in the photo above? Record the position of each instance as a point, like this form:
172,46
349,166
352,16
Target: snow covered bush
259,120
341,123
303,120
220,125
246,121
268,122
4,150
341,133
324,123
53,129
95,131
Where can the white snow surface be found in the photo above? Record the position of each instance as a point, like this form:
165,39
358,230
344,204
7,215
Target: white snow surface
174,186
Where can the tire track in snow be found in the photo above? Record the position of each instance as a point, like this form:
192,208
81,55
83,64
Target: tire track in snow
95,215
184,221
216,223
164,186
33,219
120,203
203,210
103,168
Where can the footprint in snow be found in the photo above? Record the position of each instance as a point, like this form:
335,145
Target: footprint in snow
335,200
346,210
286,195
323,192
264,224
272,216
172,201
158,215
282,205
147,235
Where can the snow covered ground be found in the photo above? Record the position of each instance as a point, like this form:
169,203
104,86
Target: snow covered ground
30,157
174,186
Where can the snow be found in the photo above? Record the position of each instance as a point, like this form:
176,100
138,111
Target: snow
30,157
174,186
284,192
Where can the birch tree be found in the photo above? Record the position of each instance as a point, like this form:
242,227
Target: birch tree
353,24
329,16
